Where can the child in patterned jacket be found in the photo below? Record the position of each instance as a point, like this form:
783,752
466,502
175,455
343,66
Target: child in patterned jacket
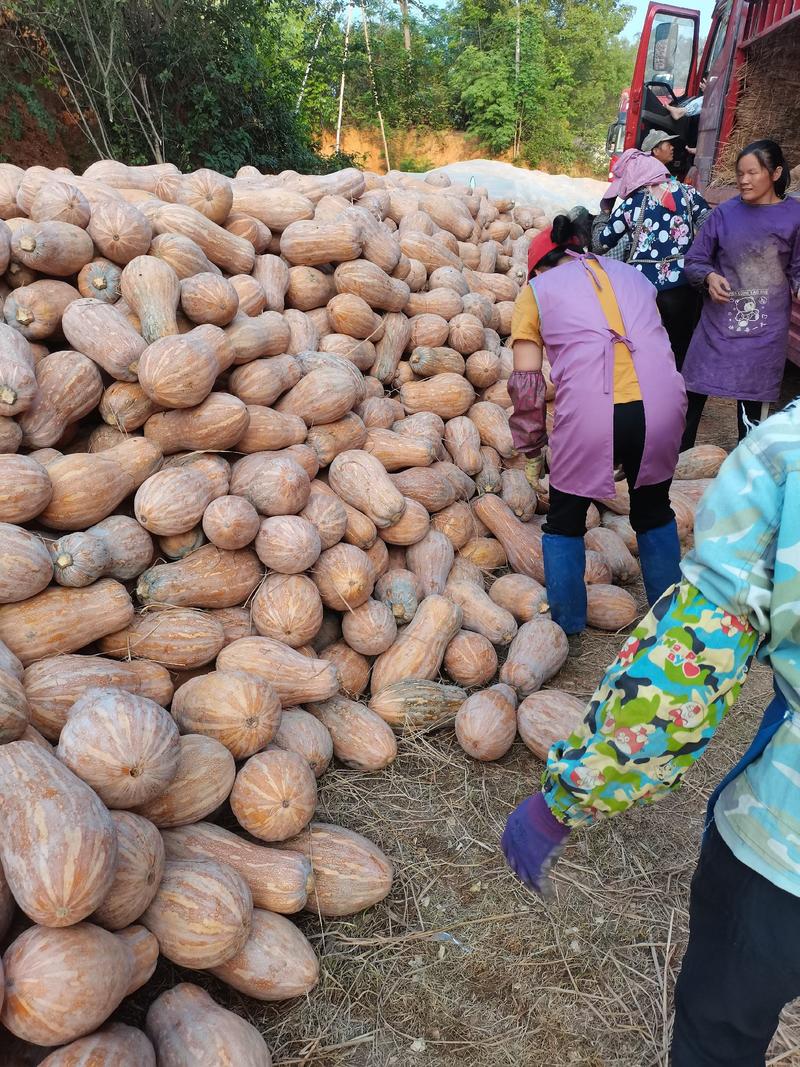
651,718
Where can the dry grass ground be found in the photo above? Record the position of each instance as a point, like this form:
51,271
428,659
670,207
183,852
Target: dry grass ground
461,965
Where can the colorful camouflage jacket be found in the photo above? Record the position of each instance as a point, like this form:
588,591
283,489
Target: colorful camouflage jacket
661,701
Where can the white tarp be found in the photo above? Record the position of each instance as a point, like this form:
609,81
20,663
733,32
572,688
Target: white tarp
552,193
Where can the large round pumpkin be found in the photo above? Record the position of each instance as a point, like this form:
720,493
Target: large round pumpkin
274,795
238,709
125,746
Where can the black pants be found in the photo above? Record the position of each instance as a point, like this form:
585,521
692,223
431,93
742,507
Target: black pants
748,415
741,967
680,310
650,506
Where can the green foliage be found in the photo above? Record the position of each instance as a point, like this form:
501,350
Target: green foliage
197,82
223,83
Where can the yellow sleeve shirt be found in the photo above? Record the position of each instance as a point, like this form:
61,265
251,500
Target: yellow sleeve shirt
526,326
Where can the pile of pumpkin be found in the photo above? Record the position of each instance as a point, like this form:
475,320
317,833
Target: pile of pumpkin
256,486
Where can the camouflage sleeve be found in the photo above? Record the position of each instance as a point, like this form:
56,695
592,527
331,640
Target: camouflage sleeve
655,710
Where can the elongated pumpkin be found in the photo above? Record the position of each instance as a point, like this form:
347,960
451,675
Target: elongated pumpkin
279,880
361,739
55,683
178,638
188,1029
140,865
361,481
419,650
295,677
350,872
64,620
521,541
208,578
536,654
203,781
275,963
58,845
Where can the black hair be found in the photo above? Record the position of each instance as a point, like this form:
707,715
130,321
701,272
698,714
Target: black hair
567,232
770,155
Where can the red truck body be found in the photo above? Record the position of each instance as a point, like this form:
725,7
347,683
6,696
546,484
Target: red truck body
669,68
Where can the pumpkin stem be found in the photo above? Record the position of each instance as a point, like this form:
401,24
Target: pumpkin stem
7,395
24,316
27,243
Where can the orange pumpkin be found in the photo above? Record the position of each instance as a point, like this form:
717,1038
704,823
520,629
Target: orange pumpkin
279,880
140,865
350,872
548,716
536,654
189,1030
275,963
201,913
55,683
239,710
361,739
58,846
97,969
300,732
204,779
274,795
295,677
486,723
124,746
470,659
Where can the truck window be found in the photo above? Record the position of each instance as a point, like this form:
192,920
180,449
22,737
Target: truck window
718,38
669,56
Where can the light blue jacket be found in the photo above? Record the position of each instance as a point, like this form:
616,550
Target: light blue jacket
747,560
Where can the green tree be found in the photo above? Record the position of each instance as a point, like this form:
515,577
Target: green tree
195,82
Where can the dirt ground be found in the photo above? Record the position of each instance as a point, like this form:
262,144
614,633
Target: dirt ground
460,963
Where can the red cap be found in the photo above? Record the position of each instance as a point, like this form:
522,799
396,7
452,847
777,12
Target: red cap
541,246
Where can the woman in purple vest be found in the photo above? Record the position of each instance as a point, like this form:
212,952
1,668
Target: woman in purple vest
619,401
747,257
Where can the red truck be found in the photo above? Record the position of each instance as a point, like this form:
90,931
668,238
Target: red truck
751,65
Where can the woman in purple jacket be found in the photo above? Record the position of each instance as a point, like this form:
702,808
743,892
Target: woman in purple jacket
747,257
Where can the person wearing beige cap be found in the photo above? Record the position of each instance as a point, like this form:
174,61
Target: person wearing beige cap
660,145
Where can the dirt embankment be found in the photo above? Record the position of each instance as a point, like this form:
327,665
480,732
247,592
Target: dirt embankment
412,150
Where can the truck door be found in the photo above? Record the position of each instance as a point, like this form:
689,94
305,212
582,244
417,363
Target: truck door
665,71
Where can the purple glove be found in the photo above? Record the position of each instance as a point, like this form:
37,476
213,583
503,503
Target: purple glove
527,390
532,842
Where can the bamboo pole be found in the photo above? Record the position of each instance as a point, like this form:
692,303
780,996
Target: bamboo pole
341,83
374,86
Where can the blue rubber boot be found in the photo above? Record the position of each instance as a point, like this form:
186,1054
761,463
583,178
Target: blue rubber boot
564,566
660,557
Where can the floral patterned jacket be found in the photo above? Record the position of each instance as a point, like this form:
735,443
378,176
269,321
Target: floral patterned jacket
657,229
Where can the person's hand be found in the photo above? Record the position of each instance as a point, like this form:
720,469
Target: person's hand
534,468
532,842
718,288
